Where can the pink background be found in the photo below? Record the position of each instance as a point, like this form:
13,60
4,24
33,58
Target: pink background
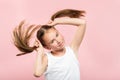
100,49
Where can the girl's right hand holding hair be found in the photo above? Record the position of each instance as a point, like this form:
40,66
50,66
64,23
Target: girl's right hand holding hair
56,21
67,20
51,23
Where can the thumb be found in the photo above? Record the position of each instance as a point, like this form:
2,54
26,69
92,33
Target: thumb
51,23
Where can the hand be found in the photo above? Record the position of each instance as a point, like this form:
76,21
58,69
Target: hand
39,46
51,23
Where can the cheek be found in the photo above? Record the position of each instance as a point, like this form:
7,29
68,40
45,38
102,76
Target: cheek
62,38
53,45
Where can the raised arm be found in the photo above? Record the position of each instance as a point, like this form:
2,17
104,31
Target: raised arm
41,62
78,37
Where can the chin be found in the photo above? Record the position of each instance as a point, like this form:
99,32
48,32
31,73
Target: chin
62,47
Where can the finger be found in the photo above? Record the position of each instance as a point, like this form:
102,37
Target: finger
36,43
50,21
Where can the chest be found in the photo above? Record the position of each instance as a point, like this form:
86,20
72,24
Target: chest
64,64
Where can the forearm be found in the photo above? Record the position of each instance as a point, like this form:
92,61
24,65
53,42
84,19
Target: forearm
71,21
39,64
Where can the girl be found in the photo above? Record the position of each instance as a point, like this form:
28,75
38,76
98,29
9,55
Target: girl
61,62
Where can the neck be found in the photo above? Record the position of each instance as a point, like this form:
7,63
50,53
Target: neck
58,52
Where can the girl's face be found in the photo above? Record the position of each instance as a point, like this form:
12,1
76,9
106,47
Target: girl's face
53,39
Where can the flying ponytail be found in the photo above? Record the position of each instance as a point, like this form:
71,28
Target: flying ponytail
21,38
72,13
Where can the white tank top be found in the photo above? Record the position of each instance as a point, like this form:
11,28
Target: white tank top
63,68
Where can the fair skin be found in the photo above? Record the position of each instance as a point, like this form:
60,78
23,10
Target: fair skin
55,42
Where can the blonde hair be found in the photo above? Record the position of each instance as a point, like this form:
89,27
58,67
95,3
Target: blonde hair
21,37
72,13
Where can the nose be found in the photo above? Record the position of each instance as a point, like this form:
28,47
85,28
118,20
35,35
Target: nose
58,41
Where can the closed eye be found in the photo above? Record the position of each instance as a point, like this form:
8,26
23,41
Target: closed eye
57,34
52,41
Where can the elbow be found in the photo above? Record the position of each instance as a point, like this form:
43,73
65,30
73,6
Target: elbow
37,74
